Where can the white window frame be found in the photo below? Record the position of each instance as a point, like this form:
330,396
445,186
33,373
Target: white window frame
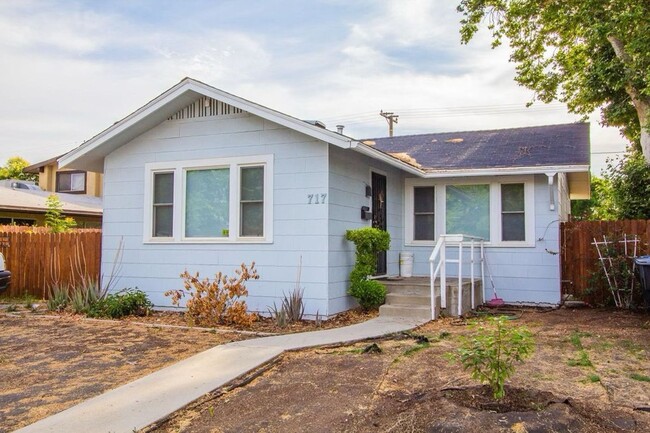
495,208
180,168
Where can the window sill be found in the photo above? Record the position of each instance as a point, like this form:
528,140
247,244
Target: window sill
467,244
167,241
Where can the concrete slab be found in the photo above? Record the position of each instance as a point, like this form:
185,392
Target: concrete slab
137,404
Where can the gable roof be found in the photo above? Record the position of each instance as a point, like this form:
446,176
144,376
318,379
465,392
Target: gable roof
35,168
90,155
563,147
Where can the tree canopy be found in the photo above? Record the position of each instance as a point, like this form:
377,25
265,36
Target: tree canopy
623,192
589,54
13,169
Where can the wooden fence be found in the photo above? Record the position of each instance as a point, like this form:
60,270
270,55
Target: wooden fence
37,258
579,260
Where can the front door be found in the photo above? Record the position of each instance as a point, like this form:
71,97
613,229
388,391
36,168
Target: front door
379,214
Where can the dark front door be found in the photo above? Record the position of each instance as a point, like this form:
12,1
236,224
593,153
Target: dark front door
379,214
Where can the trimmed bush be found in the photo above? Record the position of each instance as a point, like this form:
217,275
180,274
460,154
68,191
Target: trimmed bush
369,242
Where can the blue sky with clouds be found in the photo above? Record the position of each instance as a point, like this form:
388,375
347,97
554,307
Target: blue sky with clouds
72,68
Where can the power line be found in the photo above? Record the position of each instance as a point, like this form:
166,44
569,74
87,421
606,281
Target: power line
418,113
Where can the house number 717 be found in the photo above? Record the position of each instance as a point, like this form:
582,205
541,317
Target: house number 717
316,198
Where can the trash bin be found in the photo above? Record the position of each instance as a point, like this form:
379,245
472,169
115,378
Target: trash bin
406,264
643,264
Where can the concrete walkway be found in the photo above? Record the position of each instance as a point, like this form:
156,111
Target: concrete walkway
137,404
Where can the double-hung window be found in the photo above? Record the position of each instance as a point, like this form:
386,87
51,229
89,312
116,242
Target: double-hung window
499,210
220,200
163,205
424,221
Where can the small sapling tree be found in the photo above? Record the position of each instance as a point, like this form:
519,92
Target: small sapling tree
493,349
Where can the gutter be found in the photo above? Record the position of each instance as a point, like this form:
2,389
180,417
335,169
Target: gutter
542,169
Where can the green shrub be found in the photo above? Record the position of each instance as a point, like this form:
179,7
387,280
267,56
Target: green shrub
58,298
369,242
491,352
369,293
127,302
54,219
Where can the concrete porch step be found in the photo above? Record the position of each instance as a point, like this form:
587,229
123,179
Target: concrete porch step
408,299
411,297
411,311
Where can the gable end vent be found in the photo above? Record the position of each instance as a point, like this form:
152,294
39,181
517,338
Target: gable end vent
204,107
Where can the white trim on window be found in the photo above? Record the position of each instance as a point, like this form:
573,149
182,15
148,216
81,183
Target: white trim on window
180,168
495,207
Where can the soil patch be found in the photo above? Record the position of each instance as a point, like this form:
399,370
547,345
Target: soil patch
515,400
48,364
400,388
265,324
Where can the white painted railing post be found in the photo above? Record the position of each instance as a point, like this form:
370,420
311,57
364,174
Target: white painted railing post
438,266
443,276
432,278
460,278
471,272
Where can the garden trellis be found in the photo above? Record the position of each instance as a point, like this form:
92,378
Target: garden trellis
619,266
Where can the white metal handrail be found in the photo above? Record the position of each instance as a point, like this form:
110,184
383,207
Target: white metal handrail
438,266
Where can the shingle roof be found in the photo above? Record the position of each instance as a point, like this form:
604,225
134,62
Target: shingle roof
550,145
35,201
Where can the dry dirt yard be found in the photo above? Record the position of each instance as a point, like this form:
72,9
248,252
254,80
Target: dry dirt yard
589,373
49,363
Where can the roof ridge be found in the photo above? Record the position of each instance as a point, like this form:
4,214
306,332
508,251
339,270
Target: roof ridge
476,131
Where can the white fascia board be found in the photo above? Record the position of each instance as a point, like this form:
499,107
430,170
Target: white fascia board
384,157
195,88
507,171
124,124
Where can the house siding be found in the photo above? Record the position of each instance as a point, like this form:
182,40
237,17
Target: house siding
300,230
350,172
520,274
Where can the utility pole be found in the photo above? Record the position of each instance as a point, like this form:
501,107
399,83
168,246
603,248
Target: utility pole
391,118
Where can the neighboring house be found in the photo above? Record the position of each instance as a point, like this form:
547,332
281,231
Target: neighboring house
203,180
51,178
23,203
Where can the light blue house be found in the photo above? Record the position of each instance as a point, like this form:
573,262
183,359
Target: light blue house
203,180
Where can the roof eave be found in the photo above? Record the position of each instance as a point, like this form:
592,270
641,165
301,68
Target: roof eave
388,159
182,94
39,210
502,171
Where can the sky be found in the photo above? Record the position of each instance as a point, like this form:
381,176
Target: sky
73,68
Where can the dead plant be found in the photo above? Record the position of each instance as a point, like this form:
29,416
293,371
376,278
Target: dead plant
216,302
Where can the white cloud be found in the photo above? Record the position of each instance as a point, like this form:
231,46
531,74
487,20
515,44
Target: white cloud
70,72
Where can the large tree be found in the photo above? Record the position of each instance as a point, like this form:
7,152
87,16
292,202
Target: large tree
13,169
588,54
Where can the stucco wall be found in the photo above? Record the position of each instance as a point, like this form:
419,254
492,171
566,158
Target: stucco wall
300,229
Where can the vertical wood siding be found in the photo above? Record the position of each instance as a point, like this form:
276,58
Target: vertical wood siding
37,259
580,258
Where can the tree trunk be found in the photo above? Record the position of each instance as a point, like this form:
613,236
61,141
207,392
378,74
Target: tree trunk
641,103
